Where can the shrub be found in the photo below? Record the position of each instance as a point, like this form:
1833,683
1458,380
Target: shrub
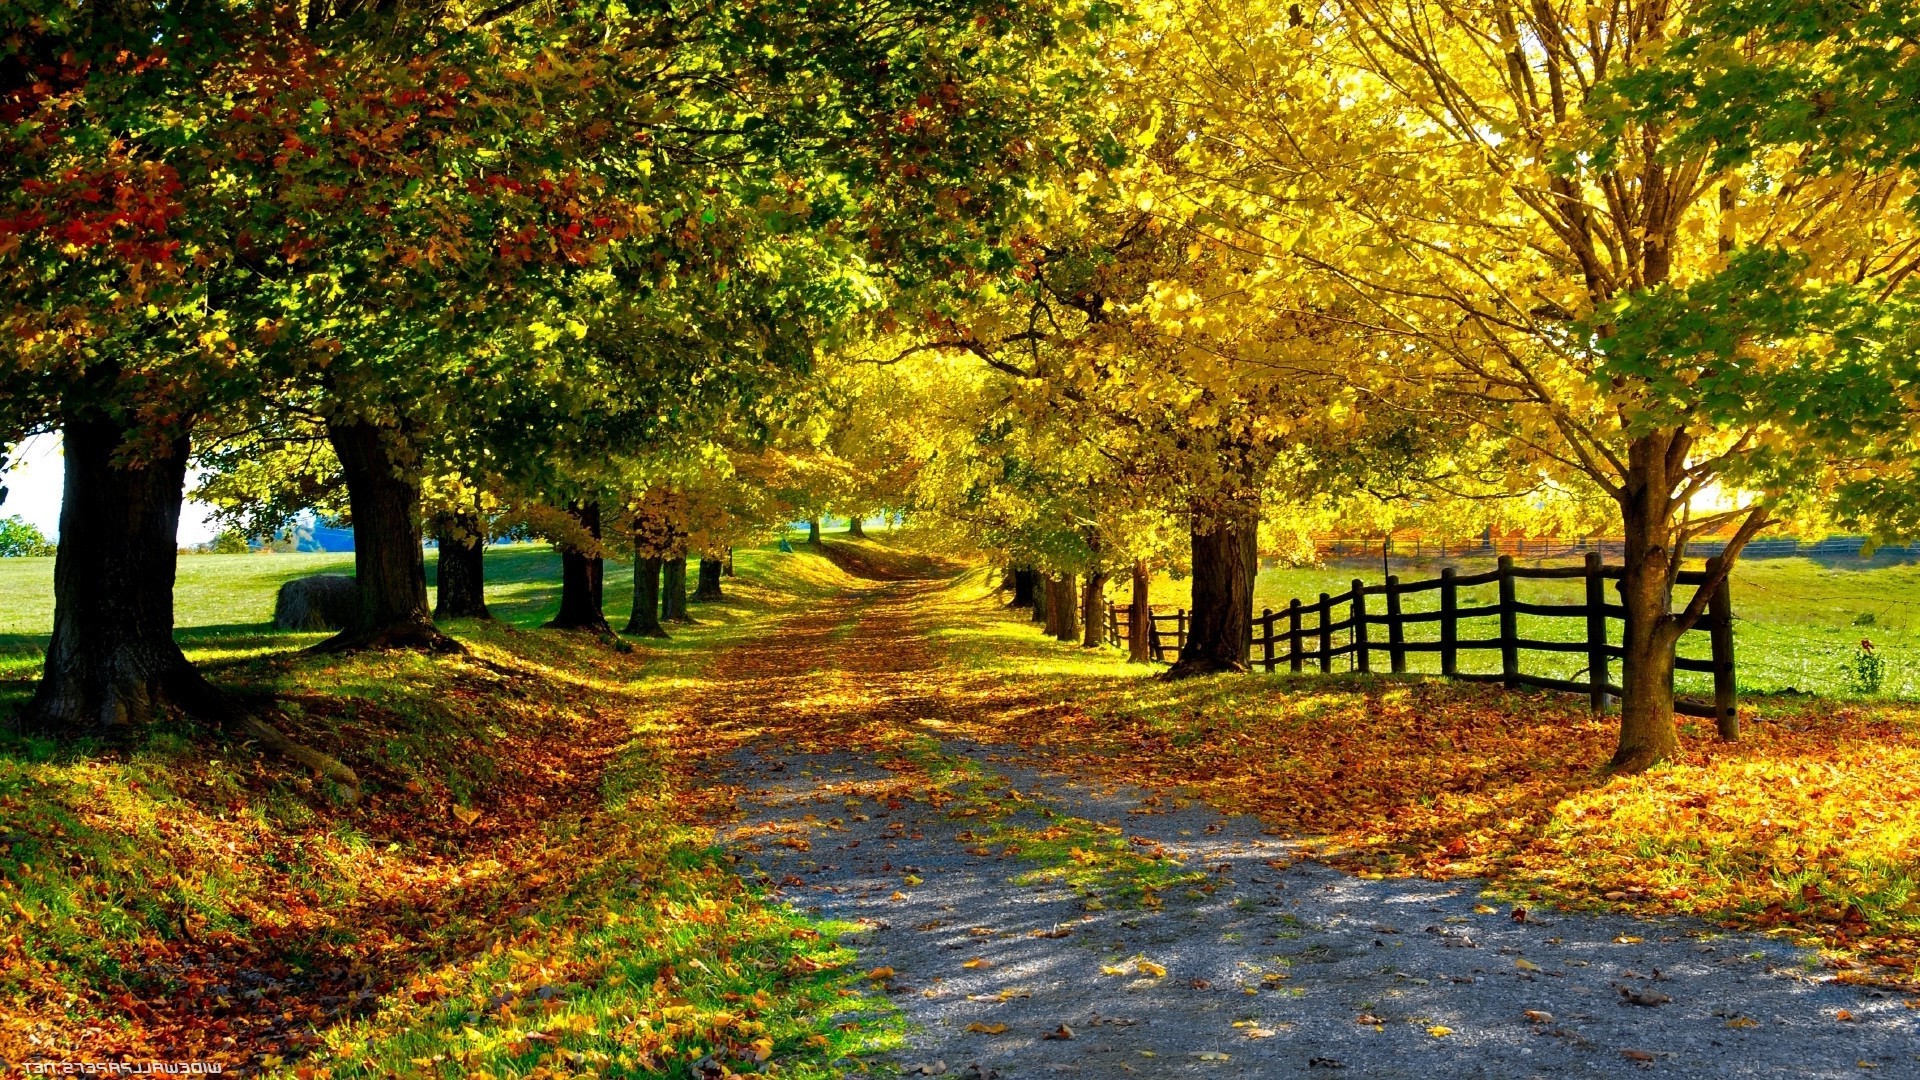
1867,670
19,539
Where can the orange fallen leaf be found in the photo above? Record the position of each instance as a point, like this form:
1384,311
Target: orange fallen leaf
986,1029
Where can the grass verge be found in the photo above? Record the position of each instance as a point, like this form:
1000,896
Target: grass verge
526,888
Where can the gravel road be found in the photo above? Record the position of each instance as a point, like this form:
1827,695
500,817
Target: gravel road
1286,968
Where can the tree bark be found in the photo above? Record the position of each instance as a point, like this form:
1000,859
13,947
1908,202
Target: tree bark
1647,732
673,591
1225,560
1093,615
729,562
383,494
112,663
854,527
1140,617
1066,600
708,589
461,576
583,577
1042,588
813,531
645,620
1023,588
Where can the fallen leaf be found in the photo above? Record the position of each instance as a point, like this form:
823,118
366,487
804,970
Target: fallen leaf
1368,1019
1212,1055
1649,998
1200,984
1060,1033
1628,939
1259,1033
1843,1016
1525,964
986,1029
1439,1031
1151,969
1636,1055
976,962
912,879
1538,1016
1483,909
1743,1022
880,974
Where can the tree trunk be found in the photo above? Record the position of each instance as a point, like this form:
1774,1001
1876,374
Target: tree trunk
112,653
709,587
1066,600
729,562
461,577
1023,591
853,526
813,531
645,620
673,591
1647,732
1042,588
1093,613
1140,617
583,577
383,494
112,663
1225,560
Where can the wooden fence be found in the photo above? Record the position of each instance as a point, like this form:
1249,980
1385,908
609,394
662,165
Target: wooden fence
1318,633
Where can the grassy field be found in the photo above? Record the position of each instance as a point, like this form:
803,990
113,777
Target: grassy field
1797,622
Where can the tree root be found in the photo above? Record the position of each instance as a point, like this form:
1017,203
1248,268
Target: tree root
192,692
421,637
1193,667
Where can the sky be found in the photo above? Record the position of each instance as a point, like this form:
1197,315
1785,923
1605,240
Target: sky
33,492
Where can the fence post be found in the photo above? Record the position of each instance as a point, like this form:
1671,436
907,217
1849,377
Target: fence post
1293,635
1509,626
1266,620
1326,635
1449,623
1361,661
1180,631
1596,635
1726,709
1396,633
1113,623
1153,635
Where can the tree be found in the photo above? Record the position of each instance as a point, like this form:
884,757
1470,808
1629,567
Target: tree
20,538
1595,294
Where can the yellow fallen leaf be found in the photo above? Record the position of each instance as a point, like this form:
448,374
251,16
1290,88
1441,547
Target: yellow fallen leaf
1259,1033
1627,939
1113,969
1525,964
880,974
986,1029
976,962
913,879
1483,909
1094,905
1213,1055
1743,1022
897,895
1439,1031
1148,967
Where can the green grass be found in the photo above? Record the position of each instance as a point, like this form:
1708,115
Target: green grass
1797,622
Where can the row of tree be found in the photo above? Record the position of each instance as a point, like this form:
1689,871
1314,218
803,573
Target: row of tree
1109,288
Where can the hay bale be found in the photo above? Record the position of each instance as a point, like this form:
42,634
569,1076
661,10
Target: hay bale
321,602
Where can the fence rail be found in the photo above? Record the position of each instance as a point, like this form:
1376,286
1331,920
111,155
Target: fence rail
1546,547
1303,634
